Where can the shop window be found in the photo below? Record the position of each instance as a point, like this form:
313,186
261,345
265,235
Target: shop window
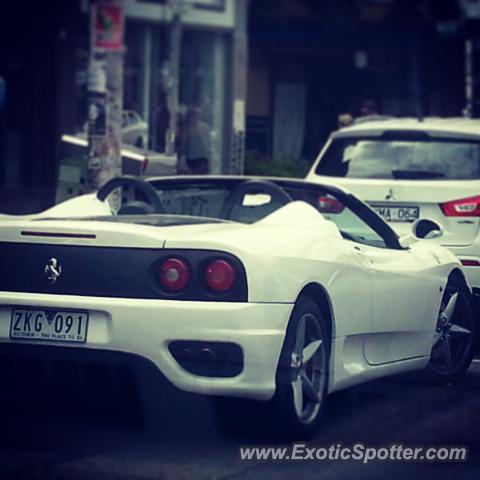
202,98
200,129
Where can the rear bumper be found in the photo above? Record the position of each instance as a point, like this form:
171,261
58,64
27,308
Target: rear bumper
145,328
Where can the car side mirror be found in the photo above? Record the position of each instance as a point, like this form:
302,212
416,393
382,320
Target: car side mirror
422,229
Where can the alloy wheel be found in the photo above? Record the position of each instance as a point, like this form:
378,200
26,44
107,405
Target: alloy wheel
454,333
308,367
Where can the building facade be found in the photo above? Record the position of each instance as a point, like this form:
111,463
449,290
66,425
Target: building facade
311,61
199,61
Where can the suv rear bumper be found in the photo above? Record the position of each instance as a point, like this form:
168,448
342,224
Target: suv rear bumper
471,252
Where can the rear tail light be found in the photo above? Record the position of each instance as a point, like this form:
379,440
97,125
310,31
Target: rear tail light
220,275
174,274
470,263
330,205
198,275
465,207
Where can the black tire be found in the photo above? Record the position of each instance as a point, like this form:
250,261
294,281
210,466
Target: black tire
457,335
297,426
279,415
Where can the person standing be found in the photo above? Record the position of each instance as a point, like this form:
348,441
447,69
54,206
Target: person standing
198,143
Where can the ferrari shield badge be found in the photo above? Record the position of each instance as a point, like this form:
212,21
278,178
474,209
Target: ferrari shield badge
53,270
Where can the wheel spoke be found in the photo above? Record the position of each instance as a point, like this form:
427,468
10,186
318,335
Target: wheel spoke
310,350
446,353
436,351
459,329
436,338
450,308
309,389
297,389
300,340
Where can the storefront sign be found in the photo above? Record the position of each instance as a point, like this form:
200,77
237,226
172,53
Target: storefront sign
108,26
471,8
204,13
209,4
239,116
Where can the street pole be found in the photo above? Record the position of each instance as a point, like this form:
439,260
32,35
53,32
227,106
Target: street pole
173,72
239,87
105,92
468,111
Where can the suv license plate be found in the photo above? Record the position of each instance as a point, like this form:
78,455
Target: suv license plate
397,214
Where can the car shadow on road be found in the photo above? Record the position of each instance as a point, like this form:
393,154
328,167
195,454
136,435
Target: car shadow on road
139,414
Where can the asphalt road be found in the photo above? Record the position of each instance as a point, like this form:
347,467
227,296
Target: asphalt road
178,438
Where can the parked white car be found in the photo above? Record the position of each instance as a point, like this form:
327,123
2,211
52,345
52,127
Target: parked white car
407,169
134,129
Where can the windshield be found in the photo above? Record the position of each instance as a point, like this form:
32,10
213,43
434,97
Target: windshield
401,159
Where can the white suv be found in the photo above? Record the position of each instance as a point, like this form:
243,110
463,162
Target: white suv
407,169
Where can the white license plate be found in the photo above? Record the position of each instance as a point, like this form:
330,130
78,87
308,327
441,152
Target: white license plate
397,214
48,324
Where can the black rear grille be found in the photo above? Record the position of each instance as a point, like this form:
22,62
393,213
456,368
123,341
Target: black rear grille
95,271
104,272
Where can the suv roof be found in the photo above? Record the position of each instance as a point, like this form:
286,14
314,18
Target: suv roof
453,127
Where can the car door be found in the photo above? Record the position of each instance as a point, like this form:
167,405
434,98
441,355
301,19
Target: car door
405,292
405,304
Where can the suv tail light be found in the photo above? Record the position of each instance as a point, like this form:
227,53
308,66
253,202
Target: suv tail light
330,205
174,274
470,263
220,275
464,207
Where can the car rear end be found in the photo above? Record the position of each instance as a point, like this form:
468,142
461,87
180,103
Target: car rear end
408,169
106,287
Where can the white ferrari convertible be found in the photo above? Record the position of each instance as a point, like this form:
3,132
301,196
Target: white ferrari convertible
279,291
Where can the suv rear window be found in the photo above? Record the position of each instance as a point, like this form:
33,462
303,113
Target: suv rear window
430,159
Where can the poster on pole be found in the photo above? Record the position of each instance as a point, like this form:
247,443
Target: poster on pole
108,26
97,116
